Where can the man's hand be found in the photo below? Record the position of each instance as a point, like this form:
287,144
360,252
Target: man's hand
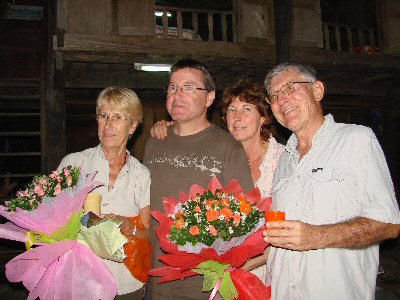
353,234
293,235
159,129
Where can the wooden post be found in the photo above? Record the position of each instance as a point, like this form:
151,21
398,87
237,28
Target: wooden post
55,97
223,27
195,22
210,27
337,38
282,30
326,37
350,39
165,24
179,24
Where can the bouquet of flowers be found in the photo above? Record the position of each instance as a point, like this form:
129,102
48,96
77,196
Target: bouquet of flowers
213,232
48,213
49,186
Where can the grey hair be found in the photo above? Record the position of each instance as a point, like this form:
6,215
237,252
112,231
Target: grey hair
122,98
306,71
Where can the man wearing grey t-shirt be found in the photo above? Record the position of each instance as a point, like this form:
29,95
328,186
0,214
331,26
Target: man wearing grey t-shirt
193,152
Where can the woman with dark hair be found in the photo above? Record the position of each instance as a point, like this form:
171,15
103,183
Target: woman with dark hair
249,119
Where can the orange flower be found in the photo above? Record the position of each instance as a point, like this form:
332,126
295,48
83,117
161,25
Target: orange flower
178,214
212,215
242,198
236,219
210,202
227,213
213,231
225,201
245,207
194,230
180,223
197,209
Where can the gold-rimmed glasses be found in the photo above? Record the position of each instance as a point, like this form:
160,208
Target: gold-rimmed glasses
285,89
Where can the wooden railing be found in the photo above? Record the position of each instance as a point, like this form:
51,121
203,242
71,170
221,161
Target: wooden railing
195,24
342,38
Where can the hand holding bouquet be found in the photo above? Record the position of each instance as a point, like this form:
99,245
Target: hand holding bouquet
48,214
213,232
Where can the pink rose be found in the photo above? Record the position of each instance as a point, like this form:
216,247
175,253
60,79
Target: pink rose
38,189
57,190
66,172
54,174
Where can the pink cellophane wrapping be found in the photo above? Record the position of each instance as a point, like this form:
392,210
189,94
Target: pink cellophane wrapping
63,270
51,215
179,264
51,271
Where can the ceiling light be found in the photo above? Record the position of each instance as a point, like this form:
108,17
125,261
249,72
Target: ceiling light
152,67
160,14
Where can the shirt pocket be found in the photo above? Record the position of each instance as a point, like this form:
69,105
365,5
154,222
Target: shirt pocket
283,194
332,196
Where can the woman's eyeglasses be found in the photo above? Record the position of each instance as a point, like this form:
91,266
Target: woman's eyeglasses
115,119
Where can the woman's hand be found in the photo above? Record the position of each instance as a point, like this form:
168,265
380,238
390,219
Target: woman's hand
126,227
159,129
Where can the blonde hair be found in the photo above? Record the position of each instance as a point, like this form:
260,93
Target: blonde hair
122,98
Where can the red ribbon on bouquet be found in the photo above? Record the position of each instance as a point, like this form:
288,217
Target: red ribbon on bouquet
179,264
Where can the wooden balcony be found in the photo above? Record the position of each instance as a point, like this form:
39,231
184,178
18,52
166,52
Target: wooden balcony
343,38
195,24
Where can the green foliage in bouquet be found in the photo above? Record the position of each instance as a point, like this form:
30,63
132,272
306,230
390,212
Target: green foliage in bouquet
42,186
209,216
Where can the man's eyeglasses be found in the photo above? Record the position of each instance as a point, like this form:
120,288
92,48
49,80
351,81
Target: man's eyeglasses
285,89
115,119
185,88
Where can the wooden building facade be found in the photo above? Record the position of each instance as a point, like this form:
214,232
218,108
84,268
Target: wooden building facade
58,56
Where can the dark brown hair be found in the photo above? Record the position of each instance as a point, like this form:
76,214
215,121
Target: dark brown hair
196,65
253,93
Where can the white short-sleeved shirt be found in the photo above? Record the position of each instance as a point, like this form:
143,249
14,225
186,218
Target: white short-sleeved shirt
130,193
344,175
264,184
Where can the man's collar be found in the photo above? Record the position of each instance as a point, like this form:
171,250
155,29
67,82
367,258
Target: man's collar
291,145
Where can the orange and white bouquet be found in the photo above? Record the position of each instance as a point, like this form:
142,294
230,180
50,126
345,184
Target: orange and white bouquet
213,232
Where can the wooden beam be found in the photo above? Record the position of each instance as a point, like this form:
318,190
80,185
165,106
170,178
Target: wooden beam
282,30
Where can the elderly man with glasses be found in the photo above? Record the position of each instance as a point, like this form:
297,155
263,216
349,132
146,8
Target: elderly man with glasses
333,183
193,152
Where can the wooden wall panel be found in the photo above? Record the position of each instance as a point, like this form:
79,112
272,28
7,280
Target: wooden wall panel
255,21
306,24
390,10
136,17
89,17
